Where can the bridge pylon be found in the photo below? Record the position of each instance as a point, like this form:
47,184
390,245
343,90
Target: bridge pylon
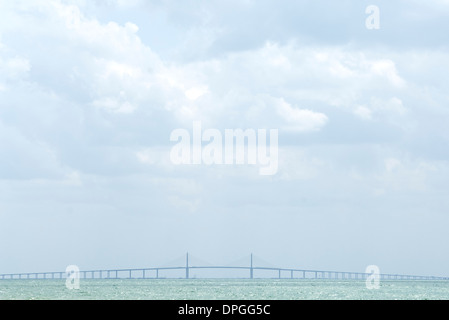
187,265
251,270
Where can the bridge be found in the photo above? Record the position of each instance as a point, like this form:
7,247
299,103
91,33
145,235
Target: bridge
251,270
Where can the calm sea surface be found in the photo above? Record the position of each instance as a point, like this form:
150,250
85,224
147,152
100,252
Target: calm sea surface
224,289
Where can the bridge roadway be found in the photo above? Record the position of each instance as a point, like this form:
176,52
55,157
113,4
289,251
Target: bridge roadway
154,273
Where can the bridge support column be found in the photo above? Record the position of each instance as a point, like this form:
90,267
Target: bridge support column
251,270
187,266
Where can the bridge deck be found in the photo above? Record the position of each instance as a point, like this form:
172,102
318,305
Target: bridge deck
154,273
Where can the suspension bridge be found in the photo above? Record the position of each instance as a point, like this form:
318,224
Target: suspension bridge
184,271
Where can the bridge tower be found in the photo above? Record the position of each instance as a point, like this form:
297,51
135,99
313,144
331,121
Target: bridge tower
251,271
187,265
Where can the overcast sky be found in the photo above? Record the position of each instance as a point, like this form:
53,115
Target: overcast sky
91,90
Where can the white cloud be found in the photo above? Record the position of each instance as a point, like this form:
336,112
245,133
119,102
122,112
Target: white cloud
196,92
386,68
121,75
112,105
300,119
128,3
363,112
300,75
391,110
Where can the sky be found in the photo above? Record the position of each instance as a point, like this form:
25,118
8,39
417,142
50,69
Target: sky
90,92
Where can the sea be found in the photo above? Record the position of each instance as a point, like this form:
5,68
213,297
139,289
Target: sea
222,289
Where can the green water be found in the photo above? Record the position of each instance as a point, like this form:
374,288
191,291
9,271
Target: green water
223,289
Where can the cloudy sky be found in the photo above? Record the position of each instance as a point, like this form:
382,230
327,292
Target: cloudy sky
91,90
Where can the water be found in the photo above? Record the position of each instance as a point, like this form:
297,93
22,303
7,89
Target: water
222,289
